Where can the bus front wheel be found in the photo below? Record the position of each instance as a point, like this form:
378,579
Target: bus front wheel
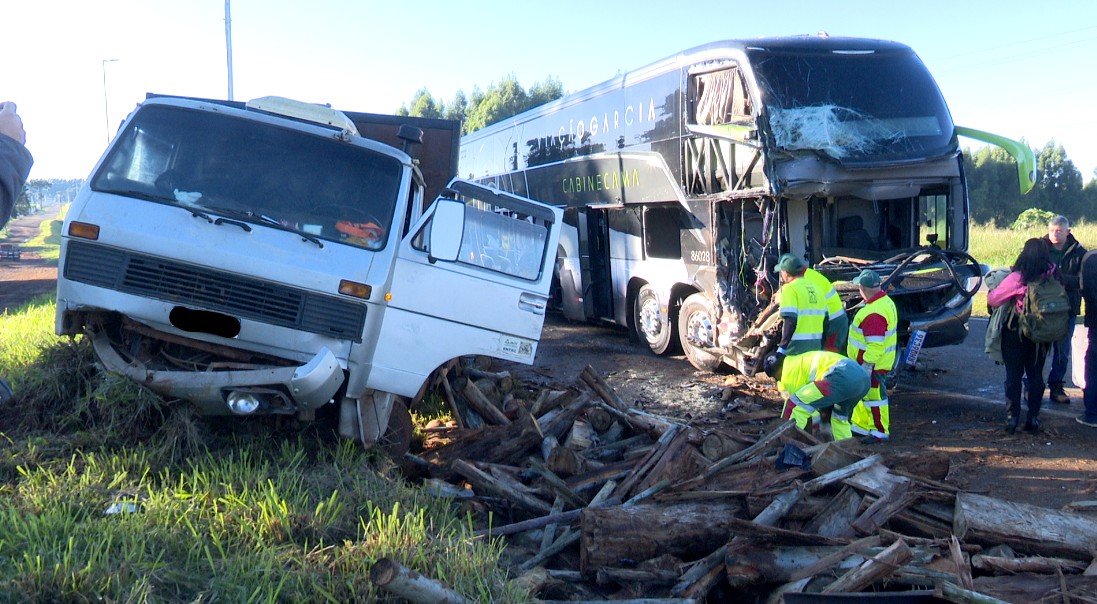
697,330
652,325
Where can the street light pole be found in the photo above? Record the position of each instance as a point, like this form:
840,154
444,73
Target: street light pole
228,41
106,106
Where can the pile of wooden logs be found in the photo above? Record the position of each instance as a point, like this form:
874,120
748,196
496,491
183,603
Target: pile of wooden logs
599,501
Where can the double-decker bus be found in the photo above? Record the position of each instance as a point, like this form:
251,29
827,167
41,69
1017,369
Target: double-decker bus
682,182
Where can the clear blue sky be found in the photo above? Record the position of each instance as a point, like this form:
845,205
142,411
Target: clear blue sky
1019,69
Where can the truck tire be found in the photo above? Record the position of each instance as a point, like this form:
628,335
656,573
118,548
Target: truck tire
654,328
697,331
396,441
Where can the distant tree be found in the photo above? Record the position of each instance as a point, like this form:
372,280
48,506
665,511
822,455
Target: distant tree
423,105
992,185
483,108
1059,188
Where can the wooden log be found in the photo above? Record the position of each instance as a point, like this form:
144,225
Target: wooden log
750,451
546,401
673,463
955,593
481,403
451,400
599,419
611,535
962,566
501,444
558,486
877,514
628,601
580,437
393,577
528,525
501,488
834,520
565,461
755,563
653,457
634,575
1027,528
598,385
549,534
999,565
832,559
717,446
701,573
872,570
569,537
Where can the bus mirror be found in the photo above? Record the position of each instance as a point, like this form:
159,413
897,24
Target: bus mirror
447,227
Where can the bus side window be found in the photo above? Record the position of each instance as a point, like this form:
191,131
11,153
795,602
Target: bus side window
721,98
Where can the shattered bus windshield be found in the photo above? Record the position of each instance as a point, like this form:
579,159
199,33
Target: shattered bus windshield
857,106
258,173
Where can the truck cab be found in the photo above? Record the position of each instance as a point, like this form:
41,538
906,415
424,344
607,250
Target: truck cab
269,258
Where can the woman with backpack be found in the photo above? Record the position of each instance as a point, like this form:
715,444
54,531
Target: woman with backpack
1022,356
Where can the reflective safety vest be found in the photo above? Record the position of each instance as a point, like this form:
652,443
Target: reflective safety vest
804,300
835,309
836,330
880,344
819,379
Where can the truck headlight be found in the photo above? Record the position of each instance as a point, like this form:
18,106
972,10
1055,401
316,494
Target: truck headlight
242,403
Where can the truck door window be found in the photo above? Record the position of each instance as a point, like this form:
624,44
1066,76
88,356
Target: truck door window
498,238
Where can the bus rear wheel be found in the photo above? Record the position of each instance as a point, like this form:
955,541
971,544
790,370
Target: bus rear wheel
697,330
655,328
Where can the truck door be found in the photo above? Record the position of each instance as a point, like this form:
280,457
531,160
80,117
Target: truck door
489,298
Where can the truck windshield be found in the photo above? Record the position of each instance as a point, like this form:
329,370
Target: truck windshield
250,170
857,106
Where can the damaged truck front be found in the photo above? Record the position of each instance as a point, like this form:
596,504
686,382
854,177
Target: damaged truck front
683,182
274,258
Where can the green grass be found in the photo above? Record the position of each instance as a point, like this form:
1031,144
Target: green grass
221,509
998,248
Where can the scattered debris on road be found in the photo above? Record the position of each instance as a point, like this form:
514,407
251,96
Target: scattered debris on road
599,500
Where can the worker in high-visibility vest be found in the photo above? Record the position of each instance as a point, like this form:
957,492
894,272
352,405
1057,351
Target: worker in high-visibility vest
803,309
818,380
836,328
873,343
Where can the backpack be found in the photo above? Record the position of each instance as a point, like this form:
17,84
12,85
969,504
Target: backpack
1045,315
992,344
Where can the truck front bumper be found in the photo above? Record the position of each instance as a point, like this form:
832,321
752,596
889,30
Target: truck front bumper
281,390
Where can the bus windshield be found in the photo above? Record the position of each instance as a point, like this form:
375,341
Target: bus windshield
215,164
857,106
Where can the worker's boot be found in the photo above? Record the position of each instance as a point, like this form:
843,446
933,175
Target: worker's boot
1032,422
1013,413
1057,394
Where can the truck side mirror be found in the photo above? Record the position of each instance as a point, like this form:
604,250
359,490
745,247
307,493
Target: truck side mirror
447,228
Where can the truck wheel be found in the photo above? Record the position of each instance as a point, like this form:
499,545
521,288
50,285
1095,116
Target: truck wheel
697,330
397,437
654,328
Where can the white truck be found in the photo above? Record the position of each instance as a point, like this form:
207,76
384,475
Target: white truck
270,257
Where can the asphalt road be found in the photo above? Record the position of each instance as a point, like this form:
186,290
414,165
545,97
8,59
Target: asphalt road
964,371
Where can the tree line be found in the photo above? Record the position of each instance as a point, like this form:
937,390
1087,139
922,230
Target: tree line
995,197
991,172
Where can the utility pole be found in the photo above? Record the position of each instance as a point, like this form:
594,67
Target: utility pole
106,106
228,41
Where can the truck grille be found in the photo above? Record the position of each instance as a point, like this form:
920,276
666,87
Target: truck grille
239,296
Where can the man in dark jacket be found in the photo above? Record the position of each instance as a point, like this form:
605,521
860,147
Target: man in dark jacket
1067,254
1089,291
15,160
